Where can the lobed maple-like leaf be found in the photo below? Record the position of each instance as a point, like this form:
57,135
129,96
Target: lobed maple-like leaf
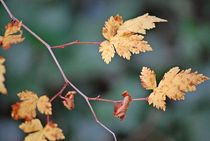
174,85
26,108
3,89
148,78
44,106
50,132
12,35
31,126
123,38
68,102
121,108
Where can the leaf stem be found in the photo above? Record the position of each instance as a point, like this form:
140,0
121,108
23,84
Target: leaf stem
74,43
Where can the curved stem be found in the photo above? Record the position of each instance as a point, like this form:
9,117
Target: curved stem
59,67
74,43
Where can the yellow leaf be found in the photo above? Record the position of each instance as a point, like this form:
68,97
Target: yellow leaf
26,109
148,78
52,132
139,24
37,136
111,26
174,85
31,126
12,35
37,133
107,51
44,106
3,90
124,37
129,43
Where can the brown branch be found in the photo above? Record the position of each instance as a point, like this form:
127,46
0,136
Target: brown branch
98,98
76,42
59,93
59,67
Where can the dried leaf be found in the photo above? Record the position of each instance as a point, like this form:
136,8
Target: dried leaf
124,37
50,132
3,89
139,24
129,43
107,50
121,108
148,78
111,26
26,109
174,85
44,106
31,126
12,35
69,100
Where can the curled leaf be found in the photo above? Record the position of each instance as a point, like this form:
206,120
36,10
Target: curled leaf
44,106
3,89
12,35
121,108
69,100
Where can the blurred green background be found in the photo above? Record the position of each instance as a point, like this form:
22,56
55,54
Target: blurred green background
184,41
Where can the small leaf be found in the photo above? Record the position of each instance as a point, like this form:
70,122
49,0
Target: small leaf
148,78
121,108
3,89
107,51
52,132
69,100
111,26
26,109
12,35
31,126
44,106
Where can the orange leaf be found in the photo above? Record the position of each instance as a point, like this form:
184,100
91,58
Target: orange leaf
12,35
69,100
121,108
44,106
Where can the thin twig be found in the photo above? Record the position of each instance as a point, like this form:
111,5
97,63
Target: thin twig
74,43
59,93
115,101
59,67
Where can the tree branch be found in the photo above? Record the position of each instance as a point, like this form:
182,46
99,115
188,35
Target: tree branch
59,67
74,43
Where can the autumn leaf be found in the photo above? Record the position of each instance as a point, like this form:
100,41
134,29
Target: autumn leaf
174,85
12,35
31,126
50,132
121,108
26,109
3,89
148,78
44,106
68,102
123,37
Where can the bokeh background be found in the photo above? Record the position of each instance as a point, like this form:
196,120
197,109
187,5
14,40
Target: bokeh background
184,41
